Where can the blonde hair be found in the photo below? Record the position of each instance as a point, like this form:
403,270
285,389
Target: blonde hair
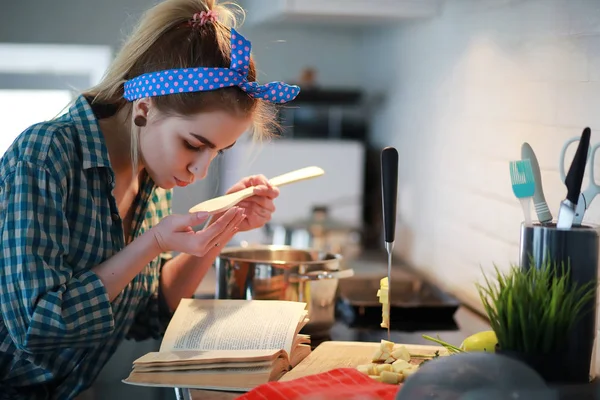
163,39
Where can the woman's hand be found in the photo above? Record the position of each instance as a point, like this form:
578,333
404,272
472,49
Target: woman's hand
258,208
175,233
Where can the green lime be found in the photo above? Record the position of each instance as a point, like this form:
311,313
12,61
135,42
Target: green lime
482,341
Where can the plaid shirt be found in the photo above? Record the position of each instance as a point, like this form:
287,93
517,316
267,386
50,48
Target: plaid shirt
58,219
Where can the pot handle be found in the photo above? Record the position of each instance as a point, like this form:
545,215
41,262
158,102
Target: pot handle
318,275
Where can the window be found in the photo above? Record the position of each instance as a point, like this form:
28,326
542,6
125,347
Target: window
37,82
28,107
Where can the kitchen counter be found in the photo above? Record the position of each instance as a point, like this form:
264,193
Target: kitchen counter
464,317
467,322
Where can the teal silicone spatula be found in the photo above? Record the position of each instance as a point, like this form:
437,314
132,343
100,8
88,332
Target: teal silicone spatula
523,185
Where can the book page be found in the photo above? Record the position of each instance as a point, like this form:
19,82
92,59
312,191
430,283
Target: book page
303,321
198,367
196,357
242,379
233,325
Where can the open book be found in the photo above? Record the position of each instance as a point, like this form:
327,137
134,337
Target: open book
232,345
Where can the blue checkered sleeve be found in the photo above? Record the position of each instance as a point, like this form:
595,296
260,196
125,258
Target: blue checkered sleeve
45,304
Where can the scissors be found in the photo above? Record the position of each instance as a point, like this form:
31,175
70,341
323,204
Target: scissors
587,195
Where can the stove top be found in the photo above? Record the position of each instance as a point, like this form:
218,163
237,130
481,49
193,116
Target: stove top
415,305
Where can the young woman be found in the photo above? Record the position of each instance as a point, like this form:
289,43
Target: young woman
85,199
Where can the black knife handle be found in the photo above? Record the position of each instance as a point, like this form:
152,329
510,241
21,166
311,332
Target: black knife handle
389,191
577,169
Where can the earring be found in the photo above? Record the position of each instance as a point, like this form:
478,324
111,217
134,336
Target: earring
139,121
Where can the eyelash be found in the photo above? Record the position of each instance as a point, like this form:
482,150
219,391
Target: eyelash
189,146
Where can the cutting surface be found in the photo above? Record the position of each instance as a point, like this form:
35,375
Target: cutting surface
334,354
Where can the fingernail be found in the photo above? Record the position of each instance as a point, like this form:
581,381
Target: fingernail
201,214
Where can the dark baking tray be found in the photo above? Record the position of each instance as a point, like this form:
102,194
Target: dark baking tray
415,305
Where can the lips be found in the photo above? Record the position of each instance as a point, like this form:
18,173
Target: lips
181,183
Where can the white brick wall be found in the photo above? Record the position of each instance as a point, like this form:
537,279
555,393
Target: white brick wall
464,91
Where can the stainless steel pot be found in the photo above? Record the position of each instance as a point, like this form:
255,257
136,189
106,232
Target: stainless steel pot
283,273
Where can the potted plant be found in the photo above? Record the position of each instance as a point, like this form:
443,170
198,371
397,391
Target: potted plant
532,312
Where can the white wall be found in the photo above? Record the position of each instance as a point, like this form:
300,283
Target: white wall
465,90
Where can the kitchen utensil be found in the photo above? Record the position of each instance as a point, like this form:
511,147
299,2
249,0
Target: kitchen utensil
539,201
222,203
269,272
523,185
587,196
573,180
389,191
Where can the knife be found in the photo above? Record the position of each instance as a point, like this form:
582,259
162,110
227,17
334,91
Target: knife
574,179
389,192
539,200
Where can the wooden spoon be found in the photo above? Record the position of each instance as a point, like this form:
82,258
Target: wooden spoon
222,203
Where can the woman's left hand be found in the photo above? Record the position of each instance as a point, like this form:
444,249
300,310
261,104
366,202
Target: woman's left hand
259,207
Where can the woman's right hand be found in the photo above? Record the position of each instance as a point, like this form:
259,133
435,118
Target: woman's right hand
175,232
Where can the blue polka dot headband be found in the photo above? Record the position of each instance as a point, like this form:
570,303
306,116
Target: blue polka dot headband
202,79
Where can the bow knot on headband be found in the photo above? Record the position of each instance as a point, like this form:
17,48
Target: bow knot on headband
201,79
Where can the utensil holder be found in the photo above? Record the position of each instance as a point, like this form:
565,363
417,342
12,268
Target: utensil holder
578,247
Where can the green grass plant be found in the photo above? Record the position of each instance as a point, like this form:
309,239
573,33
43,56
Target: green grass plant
533,310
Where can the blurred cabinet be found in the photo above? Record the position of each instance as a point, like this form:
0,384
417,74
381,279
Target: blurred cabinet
320,113
338,11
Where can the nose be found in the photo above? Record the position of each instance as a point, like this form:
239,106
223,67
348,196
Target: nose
199,167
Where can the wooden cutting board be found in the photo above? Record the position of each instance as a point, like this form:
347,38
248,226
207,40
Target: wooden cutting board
334,354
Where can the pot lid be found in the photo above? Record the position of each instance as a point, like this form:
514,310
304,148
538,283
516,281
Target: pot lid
320,219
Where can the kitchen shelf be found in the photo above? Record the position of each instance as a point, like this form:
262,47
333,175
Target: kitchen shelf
329,96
